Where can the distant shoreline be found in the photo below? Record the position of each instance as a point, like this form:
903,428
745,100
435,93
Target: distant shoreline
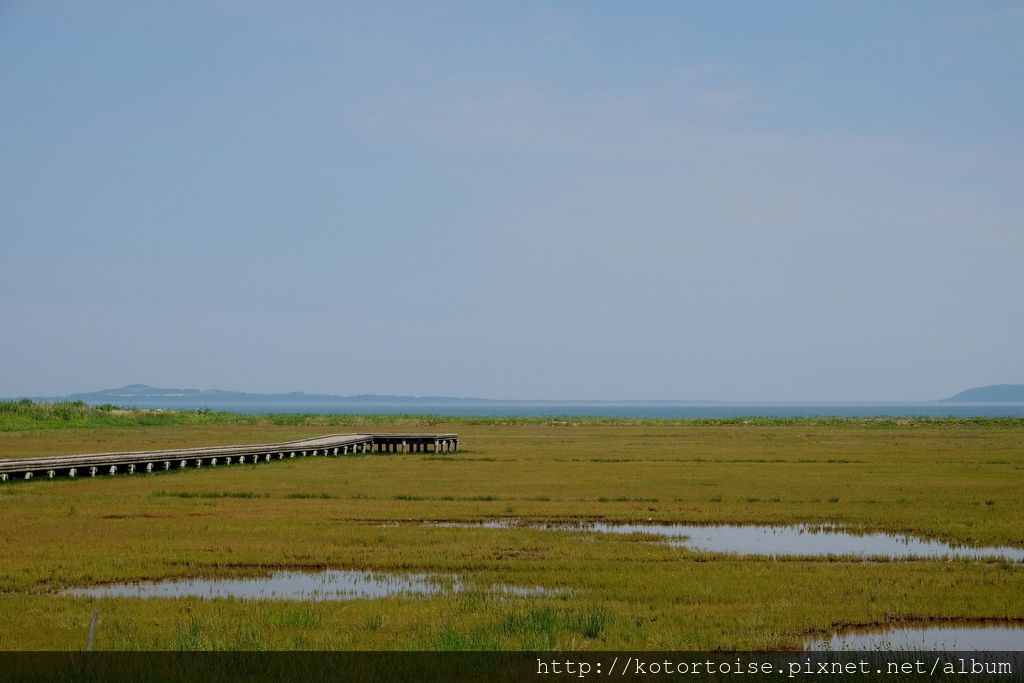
614,411
992,401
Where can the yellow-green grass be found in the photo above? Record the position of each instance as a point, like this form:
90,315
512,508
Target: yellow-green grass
959,481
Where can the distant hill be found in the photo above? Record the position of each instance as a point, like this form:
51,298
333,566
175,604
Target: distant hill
145,396
994,393
142,395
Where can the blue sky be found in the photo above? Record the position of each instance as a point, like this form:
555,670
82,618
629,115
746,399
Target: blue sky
731,201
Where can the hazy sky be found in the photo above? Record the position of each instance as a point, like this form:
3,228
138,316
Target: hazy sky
736,201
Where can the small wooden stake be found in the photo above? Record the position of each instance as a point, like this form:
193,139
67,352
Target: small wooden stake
92,631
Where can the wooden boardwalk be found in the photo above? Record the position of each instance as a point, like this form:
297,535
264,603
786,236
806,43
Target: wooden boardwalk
94,464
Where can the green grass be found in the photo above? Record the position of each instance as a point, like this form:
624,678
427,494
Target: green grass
955,480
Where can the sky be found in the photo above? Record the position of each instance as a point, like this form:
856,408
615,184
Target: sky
555,200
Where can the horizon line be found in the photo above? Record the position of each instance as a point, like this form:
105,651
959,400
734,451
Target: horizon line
427,397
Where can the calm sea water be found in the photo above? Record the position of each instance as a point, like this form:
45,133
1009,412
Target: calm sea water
609,409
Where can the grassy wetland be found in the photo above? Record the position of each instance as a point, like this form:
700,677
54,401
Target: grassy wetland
956,480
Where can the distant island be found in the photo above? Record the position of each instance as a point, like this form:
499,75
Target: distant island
995,393
143,395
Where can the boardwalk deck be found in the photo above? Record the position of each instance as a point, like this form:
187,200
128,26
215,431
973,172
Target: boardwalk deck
93,464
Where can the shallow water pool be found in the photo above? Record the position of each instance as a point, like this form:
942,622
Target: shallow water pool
318,585
782,540
964,636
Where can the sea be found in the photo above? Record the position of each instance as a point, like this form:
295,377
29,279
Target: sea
625,409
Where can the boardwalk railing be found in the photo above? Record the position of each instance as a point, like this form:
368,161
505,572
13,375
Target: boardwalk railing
91,465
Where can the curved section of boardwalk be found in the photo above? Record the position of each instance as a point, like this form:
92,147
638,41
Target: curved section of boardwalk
94,464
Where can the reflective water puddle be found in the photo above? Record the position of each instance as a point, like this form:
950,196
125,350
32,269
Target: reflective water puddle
327,584
792,540
964,636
